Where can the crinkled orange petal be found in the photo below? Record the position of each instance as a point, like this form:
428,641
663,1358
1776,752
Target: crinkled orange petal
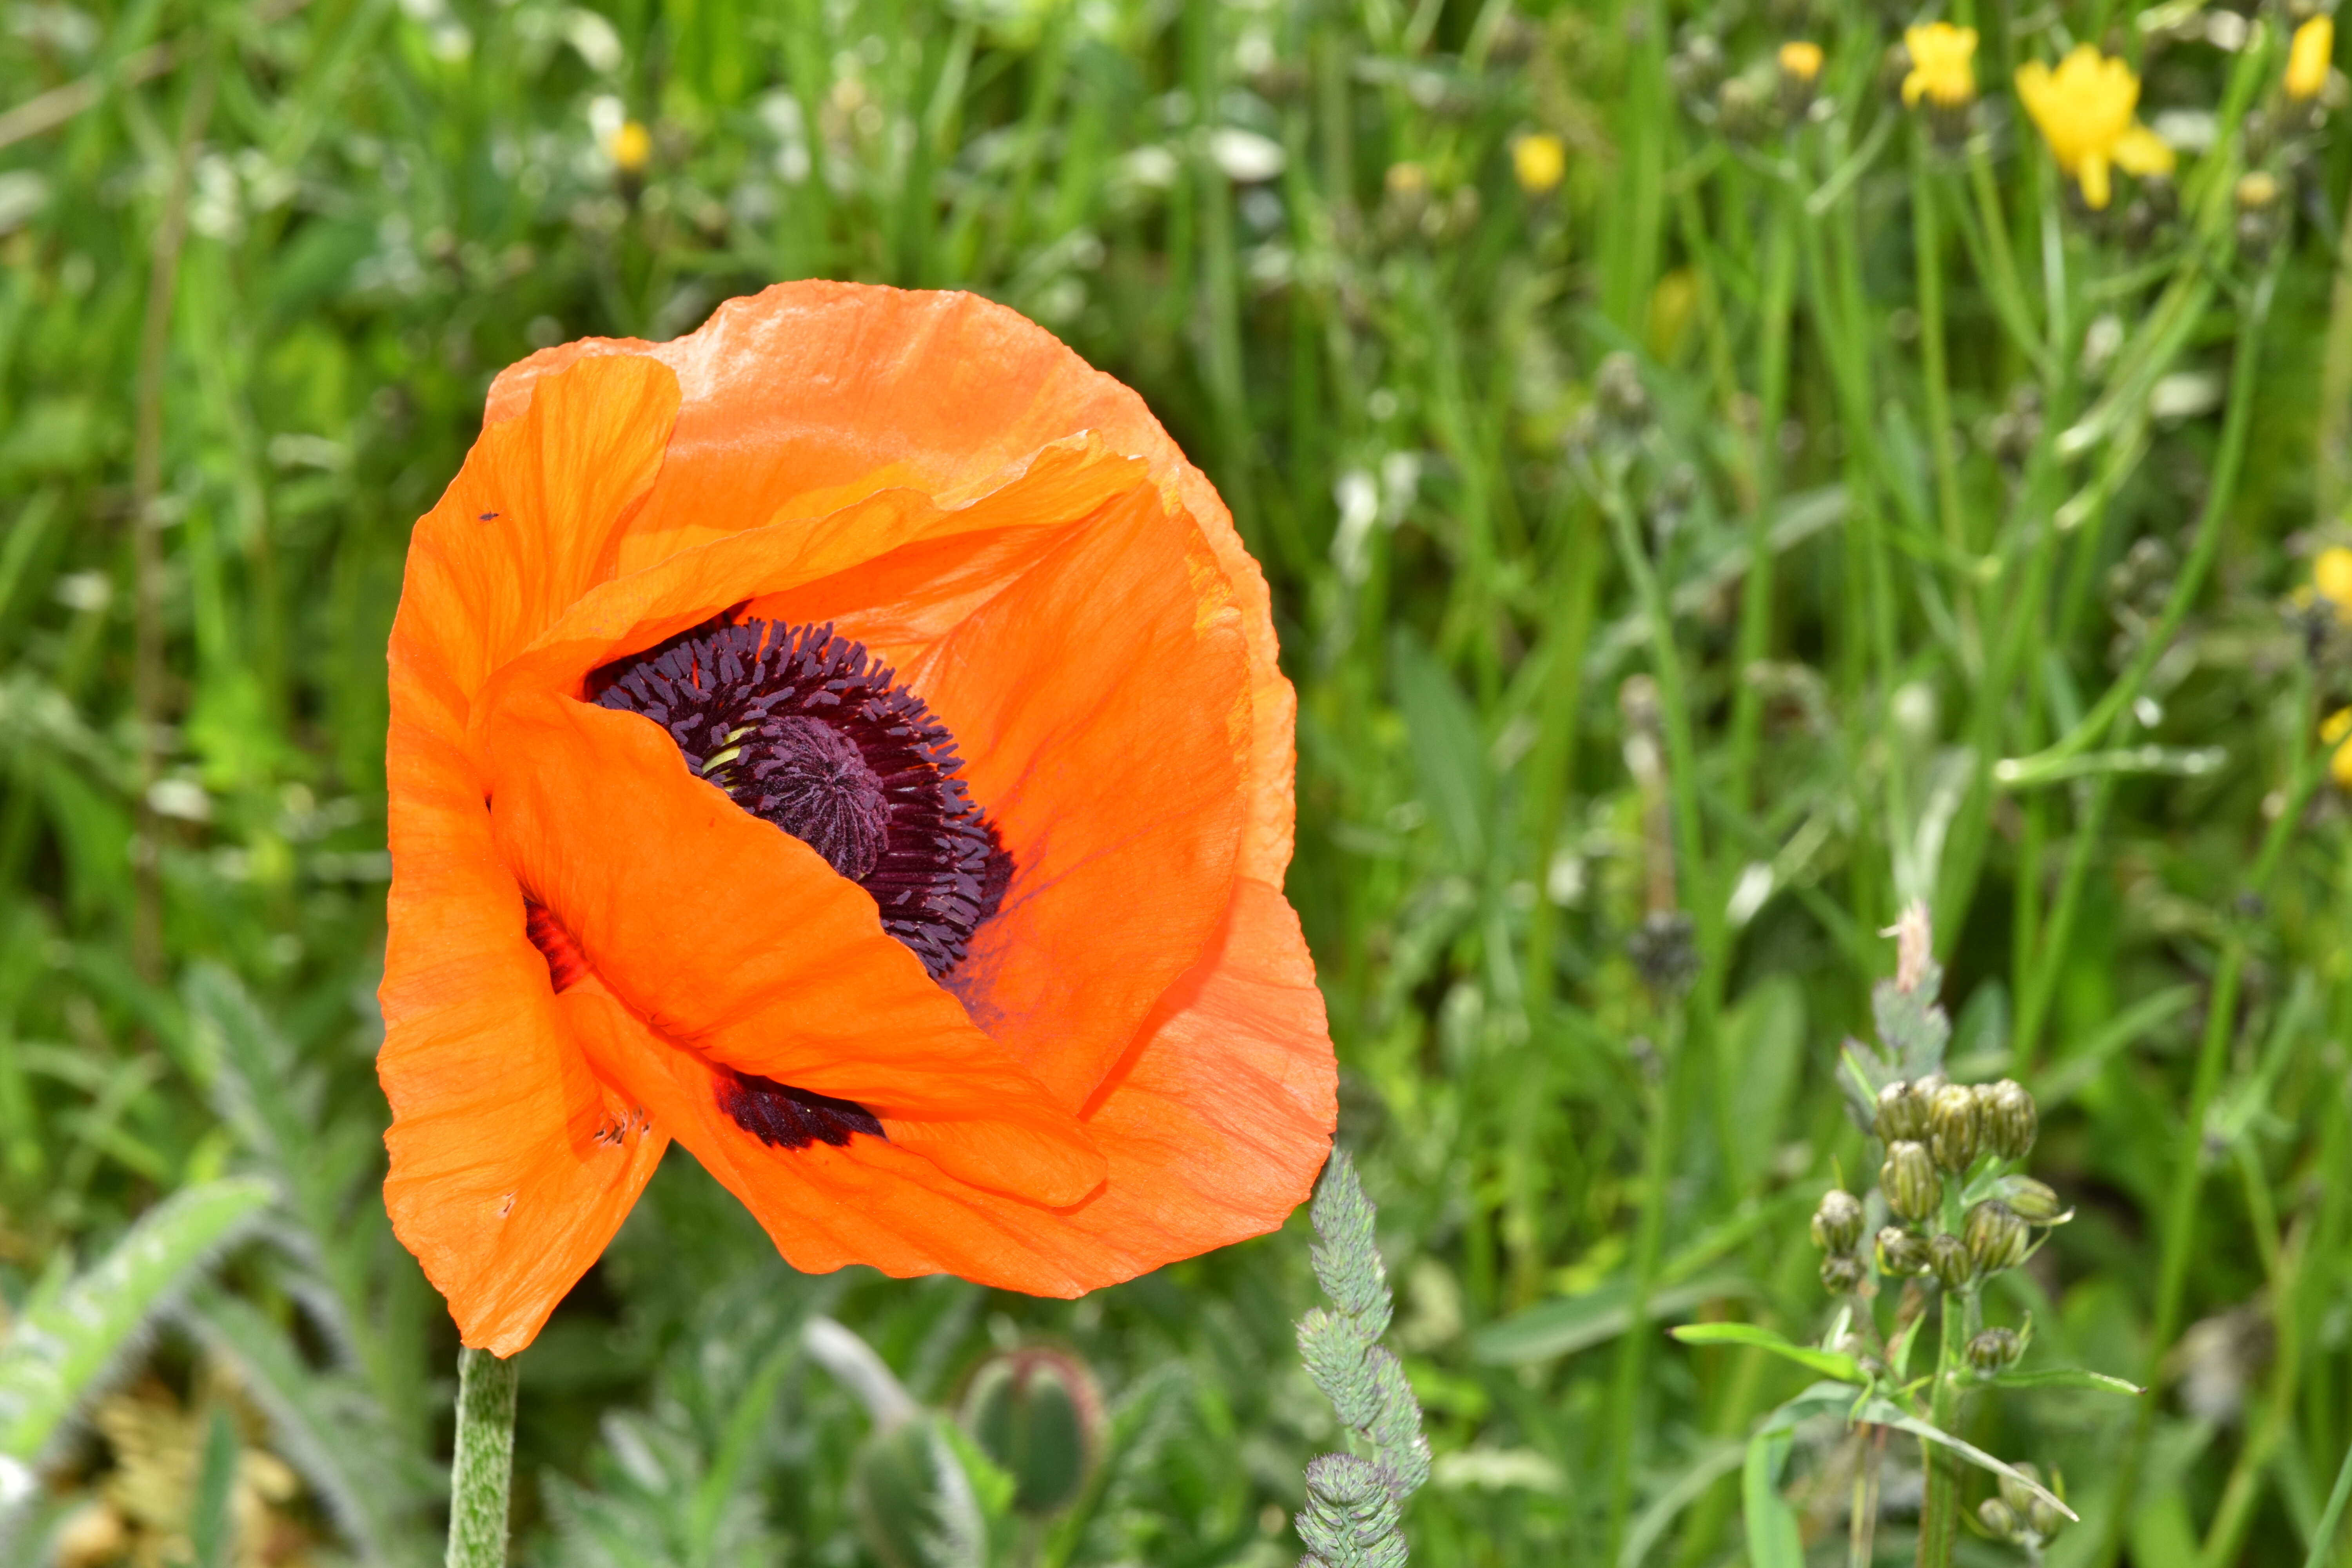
1214,1126
738,945
535,517
860,551
1102,706
512,1164
808,396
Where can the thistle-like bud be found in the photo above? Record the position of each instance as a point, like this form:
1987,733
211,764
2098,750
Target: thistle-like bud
1996,1236
1998,1517
1909,1180
1949,1257
1954,1128
1901,1252
1993,1350
1837,1224
2009,1116
2019,1497
1902,1113
1841,1273
2035,1202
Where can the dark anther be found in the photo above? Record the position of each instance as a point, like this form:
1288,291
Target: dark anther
784,1117
804,729
565,962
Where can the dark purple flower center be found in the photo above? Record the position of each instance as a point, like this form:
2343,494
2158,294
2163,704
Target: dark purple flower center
784,1117
805,729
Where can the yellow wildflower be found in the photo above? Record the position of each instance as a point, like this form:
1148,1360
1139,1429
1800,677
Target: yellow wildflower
631,147
2333,733
1540,161
1943,65
2308,58
2332,575
2083,110
1801,58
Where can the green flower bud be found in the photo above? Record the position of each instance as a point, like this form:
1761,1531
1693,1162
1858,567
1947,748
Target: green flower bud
1955,1131
2021,1498
1837,1224
1949,1257
2009,1116
2045,1519
1035,1413
1902,1113
1909,1180
1901,1252
1841,1272
1999,1519
1996,1236
1994,1349
2035,1202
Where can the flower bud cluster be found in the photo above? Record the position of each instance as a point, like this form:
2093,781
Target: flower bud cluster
1837,1231
2019,1515
1936,1133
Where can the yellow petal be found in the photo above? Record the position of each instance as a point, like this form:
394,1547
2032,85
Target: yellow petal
2142,151
2332,575
2094,176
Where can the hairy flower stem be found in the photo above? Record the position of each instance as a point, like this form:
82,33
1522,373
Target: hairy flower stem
1939,1511
483,1468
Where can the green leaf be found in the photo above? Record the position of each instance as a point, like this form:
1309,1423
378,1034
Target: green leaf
1572,1323
66,1342
2066,1377
1829,1364
1773,1540
1885,1413
1446,747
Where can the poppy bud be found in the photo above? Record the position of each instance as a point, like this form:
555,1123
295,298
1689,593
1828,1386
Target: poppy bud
1909,1180
2036,1203
1996,1236
1837,1224
1948,1254
2009,1116
1036,1415
1901,1252
915,1498
1998,1517
1954,1128
1841,1272
1994,1348
1902,1113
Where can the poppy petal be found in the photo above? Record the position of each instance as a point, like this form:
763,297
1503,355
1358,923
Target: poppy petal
534,516
512,1164
808,396
1214,1126
736,943
1102,705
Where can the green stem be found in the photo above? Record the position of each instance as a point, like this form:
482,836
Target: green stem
2188,1163
483,1469
1772,401
1649,1245
2322,1539
1939,1510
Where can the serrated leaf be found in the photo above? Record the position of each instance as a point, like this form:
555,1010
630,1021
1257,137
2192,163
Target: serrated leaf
63,1347
1829,1364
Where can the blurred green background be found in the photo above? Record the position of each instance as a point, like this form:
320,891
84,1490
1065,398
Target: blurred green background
1637,695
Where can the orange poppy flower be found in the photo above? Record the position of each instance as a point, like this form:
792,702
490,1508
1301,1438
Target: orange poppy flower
846,740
